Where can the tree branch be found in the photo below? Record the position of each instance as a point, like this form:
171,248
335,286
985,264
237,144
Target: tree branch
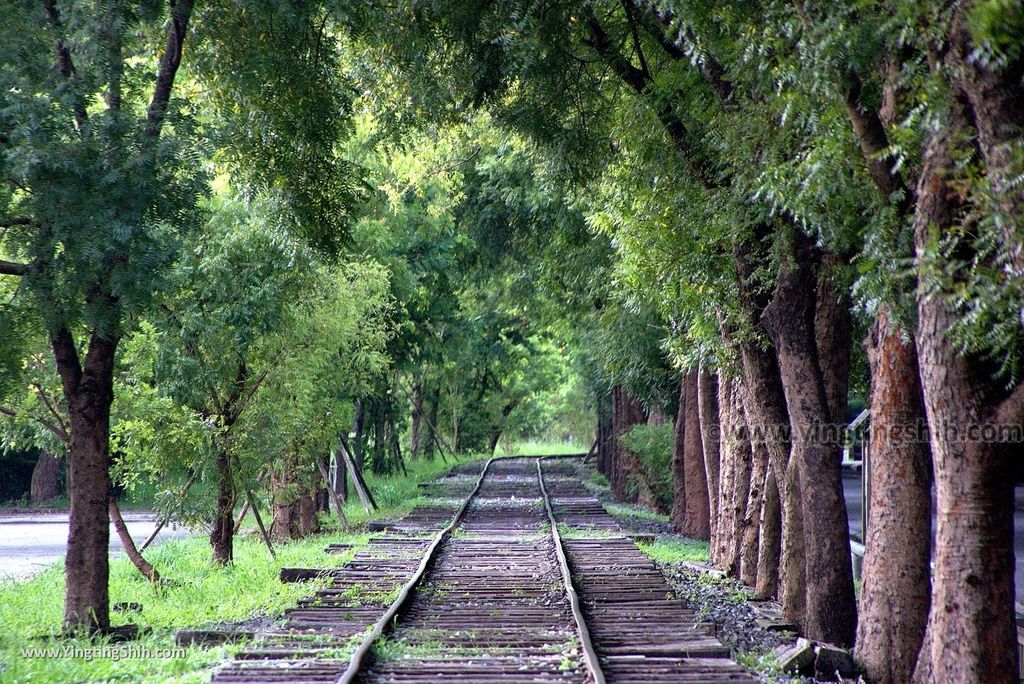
57,432
156,113
1011,410
710,68
874,144
642,84
12,268
68,364
51,407
65,65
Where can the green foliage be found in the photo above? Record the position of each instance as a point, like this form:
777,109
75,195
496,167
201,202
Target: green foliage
653,444
202,595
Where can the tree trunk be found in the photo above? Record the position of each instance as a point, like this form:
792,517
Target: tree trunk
130,550
626,412
970,634
742,458
435,406
750,541
604,435
691,513
769,548
831,613
678,464
710,434
222,533
725,474
772,426
358,433
45,479
308,521
415,430
896,576
282,518
89,392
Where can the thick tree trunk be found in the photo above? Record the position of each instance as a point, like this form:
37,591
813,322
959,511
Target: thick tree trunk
222,532
358,434
725,475
89,392
742,458
710,434
772,426
970,635
45,479
690,514
793,566
896,576
415,430
604,435
626,412
831,613
769,535
751,538
308,521
432,413
282,518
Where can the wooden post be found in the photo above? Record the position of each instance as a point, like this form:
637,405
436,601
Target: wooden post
334,493
357,478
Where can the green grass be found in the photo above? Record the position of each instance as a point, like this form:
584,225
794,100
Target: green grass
626,511
31,610
202,594
540,449
669,550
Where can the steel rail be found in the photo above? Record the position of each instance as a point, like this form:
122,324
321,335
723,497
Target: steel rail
359,655
586,644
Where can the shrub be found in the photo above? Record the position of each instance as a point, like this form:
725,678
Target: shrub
653,446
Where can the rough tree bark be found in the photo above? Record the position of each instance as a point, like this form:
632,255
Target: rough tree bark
604,435
725,473
691,512
772,426
626,412
415,430
970,635
223,530
896,576
707,410
769,535
45,479
751,525
89,391
130,550
742,457
831,612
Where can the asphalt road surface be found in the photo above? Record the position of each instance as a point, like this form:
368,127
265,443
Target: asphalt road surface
851,490
30,542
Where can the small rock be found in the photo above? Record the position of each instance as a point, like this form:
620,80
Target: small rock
833,663
127,607
797,658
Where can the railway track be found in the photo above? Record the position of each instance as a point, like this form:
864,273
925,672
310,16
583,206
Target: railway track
525,578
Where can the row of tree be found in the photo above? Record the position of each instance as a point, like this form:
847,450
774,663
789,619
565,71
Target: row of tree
775,182
219,259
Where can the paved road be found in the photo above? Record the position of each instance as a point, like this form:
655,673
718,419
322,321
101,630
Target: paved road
31,542
851,489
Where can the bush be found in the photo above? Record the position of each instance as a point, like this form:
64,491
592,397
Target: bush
653,446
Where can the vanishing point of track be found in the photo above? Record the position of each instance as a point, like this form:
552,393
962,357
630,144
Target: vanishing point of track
496,594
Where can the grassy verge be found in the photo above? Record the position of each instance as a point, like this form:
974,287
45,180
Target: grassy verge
540,449
201,594
676,550
31,610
